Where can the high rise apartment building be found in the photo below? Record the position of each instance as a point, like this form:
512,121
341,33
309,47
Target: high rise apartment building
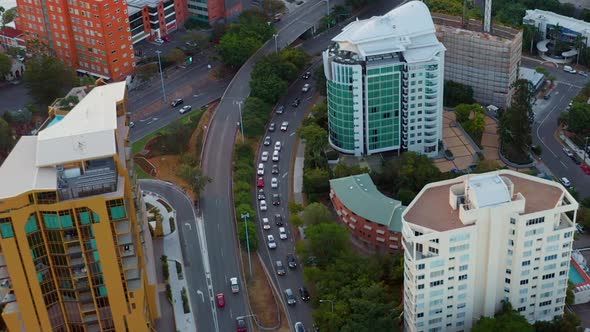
385,84
74,241
477,240
213,11
91,36
155,18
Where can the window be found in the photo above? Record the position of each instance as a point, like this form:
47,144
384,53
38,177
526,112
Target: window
463,277
544,303
548,276
526,263
550,257
535,221
436,283
420,267
524,282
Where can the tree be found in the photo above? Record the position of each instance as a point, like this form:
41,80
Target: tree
272,7
234,49
47,78
6,138
296,56
320,79
457,93
5,65
176,56
463,111
578,118
515,125
145,72
316,181
252,235
316,213
255,115
195,178
269,89
486,165
416,170
507,319
319,113
200,38
8,16
38,49
326,241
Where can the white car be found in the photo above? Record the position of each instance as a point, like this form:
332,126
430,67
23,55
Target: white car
282,233
566,182
271,242
185,109
159,41
265,224
569,69
305,87
278,146
274,183
264,156
260,170
568,152
284,126
263,206
275,156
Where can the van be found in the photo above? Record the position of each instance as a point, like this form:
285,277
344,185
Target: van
566,182
260,169
569,69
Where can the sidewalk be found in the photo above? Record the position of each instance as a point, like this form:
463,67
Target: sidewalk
183,322
298,172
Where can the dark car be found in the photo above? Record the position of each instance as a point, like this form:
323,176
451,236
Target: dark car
272,126
261,194
576,160
177,102
278,220
547,96
296,102
276,199
304,294
275,169
280,109
241,323
267,141
291,261
280,268
290,297
306,75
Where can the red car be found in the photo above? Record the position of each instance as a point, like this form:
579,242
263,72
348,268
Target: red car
586,169
260,183
166,39
241,323
220,300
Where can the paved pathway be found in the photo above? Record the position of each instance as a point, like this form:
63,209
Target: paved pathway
455,141
184,322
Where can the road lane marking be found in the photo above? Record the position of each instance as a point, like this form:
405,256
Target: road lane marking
563,164
285,175
293,133
189,226
202,296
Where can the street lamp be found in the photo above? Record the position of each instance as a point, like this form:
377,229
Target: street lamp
239,102
161,75
331,302
328,3
276,43
245,216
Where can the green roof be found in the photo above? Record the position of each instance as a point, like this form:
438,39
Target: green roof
360,195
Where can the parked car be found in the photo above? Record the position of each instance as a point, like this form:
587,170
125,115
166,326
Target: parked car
158,41
296,102
260,170
305,87
166,39
271,127
274,183
566,183
220,299
275,169
304,294
185,109
280,268
276,199
261,194
190,44
306,75
265,224
547,96
568,152
235,287
290,297
260,182
576,160
131,124
278,219
291,261
586,169
299,327
271,242
583,73
177,102
282,233
263,206
284,125
569,69
280,109
267,141
264,156
241,323
278,146
275,156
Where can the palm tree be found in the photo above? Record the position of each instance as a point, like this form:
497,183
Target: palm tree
580,45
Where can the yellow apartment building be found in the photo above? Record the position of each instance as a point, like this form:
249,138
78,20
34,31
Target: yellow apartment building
76,252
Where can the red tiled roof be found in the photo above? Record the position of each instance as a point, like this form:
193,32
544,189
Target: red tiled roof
10,32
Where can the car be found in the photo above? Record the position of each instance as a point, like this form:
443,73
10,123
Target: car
305,87
304,294
235,287
177,102
284,125
261,194
166,39
220,299
275,156
260,182
158,41
569,69
274,183
306,75
267,141
277,17
278,146
299,327
264,156
280,109
260,170
275,169
566,183
583,73
20,58
263,206
280,268
131,124
290,297
586,169
271,127
271,242
190,44
568,152
291,261
576,160
278,219
579,229
282,233
265,224
241,323
276,199
547,96
185,109
296,102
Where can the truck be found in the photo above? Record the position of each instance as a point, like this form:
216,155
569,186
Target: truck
235,288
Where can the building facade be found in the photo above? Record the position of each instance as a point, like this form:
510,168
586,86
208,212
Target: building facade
372,218
91,36
11,37
73,231
385,84
213,11
154,19
487,62
475,241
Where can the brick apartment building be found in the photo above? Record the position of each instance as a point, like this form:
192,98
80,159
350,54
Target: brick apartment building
153,19
372,218
11,37
93,37
213,11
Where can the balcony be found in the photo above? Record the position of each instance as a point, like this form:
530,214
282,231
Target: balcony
431,75
431,83
125,239
87,307
122,226
427,104
94,178
431,67
564,222
431,91
431,97
130,262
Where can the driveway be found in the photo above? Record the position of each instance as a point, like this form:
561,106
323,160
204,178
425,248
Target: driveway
14,97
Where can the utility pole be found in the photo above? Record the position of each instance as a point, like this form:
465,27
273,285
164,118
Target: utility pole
245,216
161,75
276,43
239,102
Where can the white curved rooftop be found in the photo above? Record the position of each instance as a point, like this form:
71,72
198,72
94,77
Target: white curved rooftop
407,28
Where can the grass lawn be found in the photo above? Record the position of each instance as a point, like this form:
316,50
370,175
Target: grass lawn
140,145
141,174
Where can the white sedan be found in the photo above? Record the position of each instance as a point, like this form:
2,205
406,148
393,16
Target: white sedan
271,242
264,156
274,183
282,233
263,206
278,146
265,224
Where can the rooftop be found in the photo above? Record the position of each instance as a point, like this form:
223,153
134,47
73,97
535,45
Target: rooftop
552,18
474,28
431,208
407,28
359,194
488,189
11,32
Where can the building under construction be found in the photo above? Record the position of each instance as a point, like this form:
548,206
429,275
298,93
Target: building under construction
486,61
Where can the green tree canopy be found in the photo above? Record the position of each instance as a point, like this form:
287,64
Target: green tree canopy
6,138
316,182
578,118
194,176
255,114
296,56
252,235
5,65
47,78
316,213
8,16
176,56
457,93
234,49
269,89
515,125
327,241
507,319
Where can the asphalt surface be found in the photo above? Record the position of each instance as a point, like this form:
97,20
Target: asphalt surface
196,274
546,116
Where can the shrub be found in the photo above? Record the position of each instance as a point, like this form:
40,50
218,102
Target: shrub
185,305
